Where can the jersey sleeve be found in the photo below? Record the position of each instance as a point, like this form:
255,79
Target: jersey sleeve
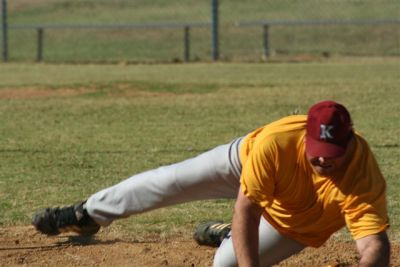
366,208
257,178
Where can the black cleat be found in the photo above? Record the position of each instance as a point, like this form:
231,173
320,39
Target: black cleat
211,233
53,221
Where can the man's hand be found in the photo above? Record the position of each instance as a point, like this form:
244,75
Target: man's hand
374,250
246,220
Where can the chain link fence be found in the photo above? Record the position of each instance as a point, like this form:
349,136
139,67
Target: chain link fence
112,31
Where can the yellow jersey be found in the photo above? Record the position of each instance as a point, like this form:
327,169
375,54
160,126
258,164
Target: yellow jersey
300,203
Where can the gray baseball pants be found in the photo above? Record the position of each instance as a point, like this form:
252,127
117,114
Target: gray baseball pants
212,175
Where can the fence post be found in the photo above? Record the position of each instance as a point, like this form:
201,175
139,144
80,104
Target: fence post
186,41
39,57
265,41
214,30
5,30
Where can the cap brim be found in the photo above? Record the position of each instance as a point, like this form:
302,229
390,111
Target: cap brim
317,148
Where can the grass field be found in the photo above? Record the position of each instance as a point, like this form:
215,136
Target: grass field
123,11
70,130
166,45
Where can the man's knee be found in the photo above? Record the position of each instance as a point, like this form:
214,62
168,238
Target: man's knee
225,255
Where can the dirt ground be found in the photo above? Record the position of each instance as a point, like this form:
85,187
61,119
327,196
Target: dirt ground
23,246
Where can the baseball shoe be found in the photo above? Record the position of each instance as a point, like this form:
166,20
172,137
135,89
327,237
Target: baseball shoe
211,233
74,218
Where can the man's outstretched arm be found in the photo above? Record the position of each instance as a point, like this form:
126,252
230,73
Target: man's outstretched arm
374,250
246,220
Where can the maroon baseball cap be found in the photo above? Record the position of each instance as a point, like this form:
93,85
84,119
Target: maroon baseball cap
329,129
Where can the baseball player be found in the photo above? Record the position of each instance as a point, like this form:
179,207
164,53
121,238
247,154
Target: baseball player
296,181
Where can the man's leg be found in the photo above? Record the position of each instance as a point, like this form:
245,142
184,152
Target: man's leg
273,248
211,175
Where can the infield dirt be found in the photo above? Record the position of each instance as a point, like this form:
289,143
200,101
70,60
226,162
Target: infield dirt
23,246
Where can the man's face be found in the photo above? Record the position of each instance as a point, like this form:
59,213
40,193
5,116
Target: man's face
326,166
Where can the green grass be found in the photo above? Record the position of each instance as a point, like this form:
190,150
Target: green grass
70,130
166,45
85,11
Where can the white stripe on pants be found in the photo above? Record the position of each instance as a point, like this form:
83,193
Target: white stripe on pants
214,174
